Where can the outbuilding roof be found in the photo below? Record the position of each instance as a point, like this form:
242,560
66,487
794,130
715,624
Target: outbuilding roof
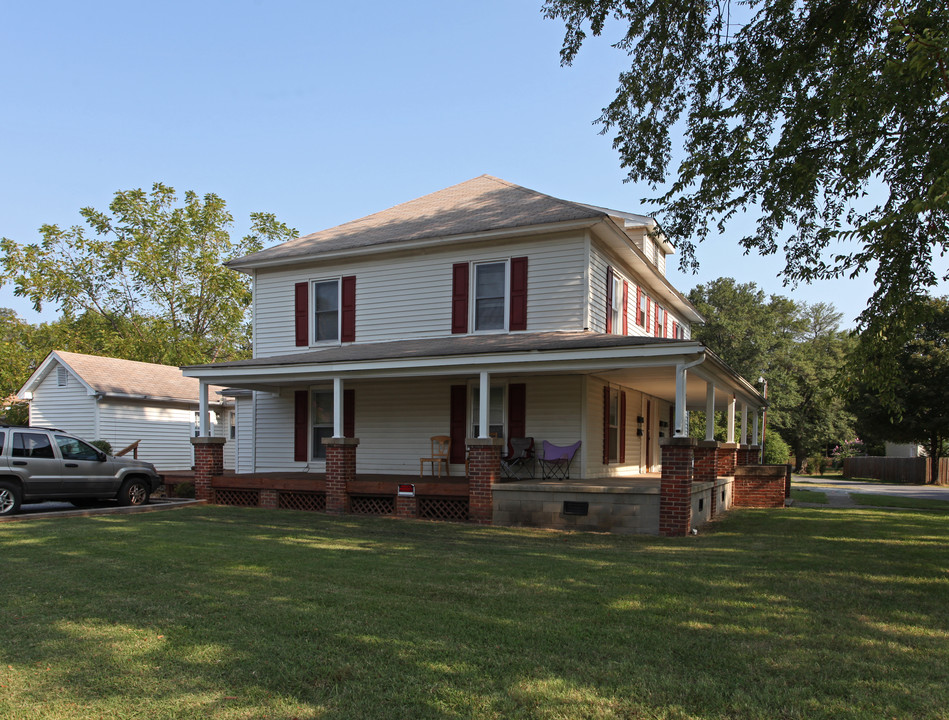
114,377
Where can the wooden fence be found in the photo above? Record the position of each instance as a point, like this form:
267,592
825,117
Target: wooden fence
895,470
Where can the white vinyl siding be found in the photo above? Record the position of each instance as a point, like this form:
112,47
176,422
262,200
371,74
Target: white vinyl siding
70,408
594,438
408,295
244,443
165,432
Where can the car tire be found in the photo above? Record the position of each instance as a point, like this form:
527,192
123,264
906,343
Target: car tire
135,491
10,498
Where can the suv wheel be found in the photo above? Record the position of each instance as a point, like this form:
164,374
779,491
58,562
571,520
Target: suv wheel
9,498
134,492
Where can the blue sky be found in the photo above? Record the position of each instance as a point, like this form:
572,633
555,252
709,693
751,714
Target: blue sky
318,112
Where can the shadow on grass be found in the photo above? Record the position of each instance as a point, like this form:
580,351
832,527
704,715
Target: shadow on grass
223,612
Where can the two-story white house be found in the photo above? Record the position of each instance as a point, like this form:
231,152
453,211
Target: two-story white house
482,310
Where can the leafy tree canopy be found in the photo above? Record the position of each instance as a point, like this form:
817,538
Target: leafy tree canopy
922,412
798,348
829,120
145,281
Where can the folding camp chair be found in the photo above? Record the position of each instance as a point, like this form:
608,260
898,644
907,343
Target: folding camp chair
556,461
519,460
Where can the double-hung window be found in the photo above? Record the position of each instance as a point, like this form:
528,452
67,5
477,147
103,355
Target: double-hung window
616,308
496,412
326,311
660,321
613,426
642,312
490,299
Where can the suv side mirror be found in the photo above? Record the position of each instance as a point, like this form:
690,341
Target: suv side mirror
102,455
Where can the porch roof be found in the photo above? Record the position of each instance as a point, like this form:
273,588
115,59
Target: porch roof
644,363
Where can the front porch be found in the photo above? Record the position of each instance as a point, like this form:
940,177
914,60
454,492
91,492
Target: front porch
697,484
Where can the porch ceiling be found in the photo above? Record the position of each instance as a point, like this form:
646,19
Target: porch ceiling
645,364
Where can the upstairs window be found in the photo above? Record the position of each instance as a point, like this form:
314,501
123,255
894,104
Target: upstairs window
616,309
660,321
326,311
642,312
490,280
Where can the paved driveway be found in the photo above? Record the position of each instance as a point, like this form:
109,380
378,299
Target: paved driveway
837,490
106,507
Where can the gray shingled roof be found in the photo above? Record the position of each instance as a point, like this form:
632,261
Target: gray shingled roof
450,346
112,376
482,204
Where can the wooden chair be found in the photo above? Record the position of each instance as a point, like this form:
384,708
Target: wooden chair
441,450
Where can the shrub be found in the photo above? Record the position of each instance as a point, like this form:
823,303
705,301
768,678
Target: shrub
184,490
104,445
776,451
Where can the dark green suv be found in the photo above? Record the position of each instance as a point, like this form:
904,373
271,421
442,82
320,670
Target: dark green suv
39,464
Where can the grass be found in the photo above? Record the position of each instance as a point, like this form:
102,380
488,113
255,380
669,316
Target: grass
810,496
899,502
231,613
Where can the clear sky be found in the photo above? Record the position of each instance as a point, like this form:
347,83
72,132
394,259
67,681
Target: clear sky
320,112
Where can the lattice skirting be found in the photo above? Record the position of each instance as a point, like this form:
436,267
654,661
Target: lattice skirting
372,505
233,496
312,501
443,508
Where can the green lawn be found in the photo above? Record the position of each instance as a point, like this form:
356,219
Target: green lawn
899,502
810,496
244,613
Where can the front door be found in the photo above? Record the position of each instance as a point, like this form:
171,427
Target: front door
83,472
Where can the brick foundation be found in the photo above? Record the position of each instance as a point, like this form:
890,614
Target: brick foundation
760,486
484,470
340,471
675,489
208,462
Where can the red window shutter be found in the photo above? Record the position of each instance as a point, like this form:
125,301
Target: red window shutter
675,329
301,313
639,306
665,324
516,412
301,414
625,308
648,314
458,422
609,298
656,329
349,412
459,301
348,309
606,425
622,426
518,319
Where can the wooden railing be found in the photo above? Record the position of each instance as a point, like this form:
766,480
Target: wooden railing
133,448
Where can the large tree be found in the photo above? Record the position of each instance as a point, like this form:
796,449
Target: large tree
145,281
922,411
827,119
798,348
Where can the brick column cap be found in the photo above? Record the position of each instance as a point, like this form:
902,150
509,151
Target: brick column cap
754,447
709,444
341,442
730,446
485,442
205,440
678,442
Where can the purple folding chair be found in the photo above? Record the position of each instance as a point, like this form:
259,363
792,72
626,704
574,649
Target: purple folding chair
556,461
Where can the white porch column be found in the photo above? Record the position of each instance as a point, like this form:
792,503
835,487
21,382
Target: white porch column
681,418
730,435
337,407
203,429
483,411
710,411
754,431
744,423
